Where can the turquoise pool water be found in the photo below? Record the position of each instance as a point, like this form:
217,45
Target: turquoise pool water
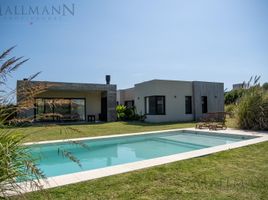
99,153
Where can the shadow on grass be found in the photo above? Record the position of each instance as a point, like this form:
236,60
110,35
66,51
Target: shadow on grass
137,123
130,123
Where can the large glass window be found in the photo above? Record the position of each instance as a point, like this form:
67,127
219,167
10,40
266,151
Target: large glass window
40,106
78,108
188,105
60,109
155,105
48,110
204,101
48,106
62,106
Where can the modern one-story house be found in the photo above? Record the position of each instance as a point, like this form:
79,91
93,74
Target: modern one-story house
168,100
70,101
159,100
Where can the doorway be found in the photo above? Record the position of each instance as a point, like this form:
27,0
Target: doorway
103,115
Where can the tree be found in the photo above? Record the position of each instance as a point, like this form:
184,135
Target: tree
265,86
233,96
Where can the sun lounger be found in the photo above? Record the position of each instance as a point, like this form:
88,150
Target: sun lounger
212,121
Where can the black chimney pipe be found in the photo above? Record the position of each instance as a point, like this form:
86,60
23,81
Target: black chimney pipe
108,79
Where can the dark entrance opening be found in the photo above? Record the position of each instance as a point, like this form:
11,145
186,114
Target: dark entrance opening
103,114
204,101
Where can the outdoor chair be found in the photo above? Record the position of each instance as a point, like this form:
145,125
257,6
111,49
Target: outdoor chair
213,121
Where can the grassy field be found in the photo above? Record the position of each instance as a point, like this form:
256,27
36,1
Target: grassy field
54,132
236,174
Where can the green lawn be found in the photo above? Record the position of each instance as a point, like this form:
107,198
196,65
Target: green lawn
236,174
54,132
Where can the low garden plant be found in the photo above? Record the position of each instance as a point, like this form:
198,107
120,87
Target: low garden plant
128,114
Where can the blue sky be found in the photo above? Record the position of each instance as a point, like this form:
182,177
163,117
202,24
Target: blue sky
138,40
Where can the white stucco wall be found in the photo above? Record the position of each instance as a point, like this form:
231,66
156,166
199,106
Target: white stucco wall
174,92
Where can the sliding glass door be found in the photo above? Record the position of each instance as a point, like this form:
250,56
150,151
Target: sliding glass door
59,109
78,108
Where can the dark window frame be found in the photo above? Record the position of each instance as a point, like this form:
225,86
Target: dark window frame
156,109
204,104
129,101
188,106
53,106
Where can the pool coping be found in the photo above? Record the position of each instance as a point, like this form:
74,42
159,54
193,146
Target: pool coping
227,131
77,177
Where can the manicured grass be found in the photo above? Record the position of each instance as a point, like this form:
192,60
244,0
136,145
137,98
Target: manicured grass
236,174
54,132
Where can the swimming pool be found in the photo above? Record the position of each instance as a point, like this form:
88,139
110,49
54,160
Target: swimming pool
105,152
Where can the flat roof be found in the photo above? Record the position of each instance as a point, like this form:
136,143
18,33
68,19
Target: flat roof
165,80
61,82
72,86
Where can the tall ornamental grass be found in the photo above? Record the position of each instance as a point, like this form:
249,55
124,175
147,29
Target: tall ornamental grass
252,109
16,163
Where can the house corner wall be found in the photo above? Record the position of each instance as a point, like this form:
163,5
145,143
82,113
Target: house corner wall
111,103
174,92
215,97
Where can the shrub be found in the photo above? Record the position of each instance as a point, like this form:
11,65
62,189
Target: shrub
252,110
233,96
126,114
230,109
265,86
120,111
130,114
